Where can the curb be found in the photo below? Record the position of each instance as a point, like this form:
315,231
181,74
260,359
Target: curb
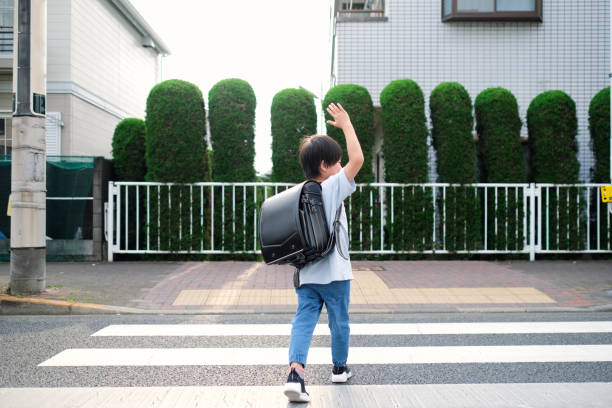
13,305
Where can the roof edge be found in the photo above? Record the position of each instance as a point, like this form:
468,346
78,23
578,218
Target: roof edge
133,16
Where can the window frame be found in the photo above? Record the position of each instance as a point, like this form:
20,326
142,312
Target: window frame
455,15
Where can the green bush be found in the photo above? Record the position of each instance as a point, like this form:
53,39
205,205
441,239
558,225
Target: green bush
176,133
499,126
231,118
405,132
552,124
176,152
452,122
129,150
293,116
501,159
406,155
232,128
599,125
357,102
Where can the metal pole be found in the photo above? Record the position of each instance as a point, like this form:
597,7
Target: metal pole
28,161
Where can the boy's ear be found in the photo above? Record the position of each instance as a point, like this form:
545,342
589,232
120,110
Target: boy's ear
322,166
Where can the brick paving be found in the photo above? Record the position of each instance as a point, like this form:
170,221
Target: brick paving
158,285
569,283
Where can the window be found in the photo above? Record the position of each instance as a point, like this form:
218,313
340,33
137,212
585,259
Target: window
361,9
475,10
5,138
6,26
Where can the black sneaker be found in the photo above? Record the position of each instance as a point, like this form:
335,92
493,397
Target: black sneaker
341,374
295,389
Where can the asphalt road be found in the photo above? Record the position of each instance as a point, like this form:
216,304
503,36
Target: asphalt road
27,341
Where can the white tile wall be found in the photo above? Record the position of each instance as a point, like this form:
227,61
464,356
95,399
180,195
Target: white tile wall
569,50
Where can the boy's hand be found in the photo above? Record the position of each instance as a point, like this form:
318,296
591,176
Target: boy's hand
341,118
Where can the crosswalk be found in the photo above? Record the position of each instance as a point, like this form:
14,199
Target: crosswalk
456,364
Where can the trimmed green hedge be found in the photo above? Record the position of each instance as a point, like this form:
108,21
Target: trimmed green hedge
599,125
405,132
499,127
452,122
293,116
176,152
501,160
552,124
406,155
357,102
231,118
129,150
176,133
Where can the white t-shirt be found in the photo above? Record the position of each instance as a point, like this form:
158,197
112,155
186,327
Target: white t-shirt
333,267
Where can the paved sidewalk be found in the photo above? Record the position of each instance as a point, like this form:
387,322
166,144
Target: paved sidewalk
379,286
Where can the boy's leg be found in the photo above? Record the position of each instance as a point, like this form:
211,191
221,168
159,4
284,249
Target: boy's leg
306,317
337,296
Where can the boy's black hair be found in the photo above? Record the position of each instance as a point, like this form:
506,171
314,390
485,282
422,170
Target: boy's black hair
317,148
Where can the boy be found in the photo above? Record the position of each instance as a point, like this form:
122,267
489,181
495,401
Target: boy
326,281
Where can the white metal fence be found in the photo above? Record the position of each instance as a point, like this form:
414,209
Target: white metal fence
384,218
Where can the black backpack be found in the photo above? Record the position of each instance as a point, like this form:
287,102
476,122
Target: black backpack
293,228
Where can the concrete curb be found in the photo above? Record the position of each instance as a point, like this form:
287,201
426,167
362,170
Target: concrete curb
13,305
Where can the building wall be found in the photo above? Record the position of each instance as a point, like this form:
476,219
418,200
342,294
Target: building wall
108,58
98,72
569,50
59,26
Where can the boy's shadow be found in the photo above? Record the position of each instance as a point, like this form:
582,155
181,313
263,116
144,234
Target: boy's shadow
299,404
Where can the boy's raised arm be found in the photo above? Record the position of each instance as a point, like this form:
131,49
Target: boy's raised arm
355,155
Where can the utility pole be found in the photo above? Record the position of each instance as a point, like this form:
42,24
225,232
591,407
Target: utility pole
28,158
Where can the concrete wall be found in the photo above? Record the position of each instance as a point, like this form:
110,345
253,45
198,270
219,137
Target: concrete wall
569,50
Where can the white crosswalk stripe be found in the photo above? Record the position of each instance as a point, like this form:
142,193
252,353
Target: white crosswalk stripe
465,394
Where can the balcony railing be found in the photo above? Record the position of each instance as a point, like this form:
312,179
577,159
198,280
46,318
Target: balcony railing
6,40
362,9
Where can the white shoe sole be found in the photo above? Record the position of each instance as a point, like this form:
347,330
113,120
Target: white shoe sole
293,391
341,378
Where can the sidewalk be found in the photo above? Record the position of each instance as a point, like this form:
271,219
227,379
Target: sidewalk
379,286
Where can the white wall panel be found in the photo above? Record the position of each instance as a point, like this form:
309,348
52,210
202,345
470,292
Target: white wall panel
569,50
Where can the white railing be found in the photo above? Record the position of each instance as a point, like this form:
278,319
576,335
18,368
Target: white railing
384,218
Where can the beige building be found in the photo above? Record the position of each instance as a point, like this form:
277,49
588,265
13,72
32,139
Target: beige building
102,61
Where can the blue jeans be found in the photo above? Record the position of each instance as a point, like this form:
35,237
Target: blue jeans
311,297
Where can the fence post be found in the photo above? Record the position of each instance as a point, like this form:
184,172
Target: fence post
532,220
110,219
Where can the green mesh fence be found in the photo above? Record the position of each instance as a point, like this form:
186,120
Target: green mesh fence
68,177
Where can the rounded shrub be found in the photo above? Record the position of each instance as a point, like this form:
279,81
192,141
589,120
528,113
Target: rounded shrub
552,124
176,133
129,150
405,132
175,143
406,155
599,126
499,126
356,100
452,122
293,116
231,118
501,161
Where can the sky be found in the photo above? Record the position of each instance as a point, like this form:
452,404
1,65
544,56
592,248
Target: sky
272,44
